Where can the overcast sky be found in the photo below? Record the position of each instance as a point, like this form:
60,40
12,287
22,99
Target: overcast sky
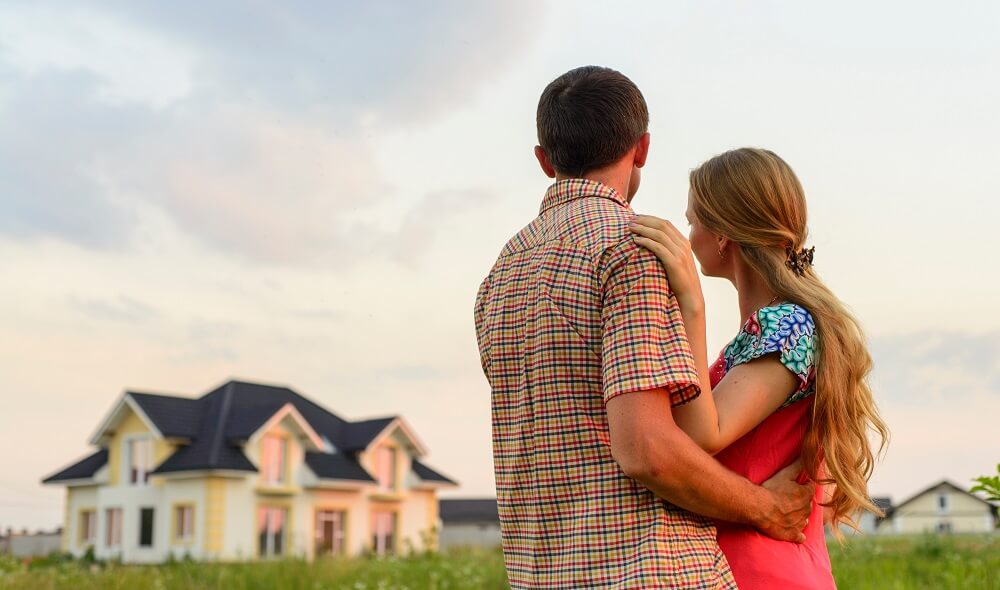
309,193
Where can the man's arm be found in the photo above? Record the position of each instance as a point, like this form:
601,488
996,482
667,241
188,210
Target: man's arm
647,366
652,450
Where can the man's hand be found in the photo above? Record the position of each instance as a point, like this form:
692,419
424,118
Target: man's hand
787,515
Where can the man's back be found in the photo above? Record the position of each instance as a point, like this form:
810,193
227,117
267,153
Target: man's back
573,314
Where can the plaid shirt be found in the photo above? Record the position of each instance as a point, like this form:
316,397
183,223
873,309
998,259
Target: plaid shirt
573,314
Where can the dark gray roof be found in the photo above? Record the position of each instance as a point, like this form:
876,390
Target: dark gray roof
82,469
199,456
173,416
883,503
337,466
358,435
427,474
469,510
219,422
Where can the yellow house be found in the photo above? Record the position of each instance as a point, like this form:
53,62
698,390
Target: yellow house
247,471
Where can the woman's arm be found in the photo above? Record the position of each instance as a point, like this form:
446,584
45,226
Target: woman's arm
749,392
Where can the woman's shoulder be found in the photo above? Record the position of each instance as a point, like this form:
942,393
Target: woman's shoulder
771,329
779,318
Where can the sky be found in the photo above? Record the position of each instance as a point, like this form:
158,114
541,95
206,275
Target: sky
309,193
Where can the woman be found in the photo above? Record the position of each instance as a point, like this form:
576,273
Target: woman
793,382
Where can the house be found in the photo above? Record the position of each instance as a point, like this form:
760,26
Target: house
470,523
868,522
26,545
941,508
246,471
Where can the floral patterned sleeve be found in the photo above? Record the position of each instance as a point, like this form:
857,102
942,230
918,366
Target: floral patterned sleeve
787,330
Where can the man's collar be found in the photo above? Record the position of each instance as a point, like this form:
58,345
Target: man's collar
569,189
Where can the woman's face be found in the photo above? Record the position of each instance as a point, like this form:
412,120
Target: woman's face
704,244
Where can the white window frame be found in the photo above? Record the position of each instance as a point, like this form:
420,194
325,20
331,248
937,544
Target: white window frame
387,476
88,524
184,522
380,540
943,503
338,544
152,528
269,531
142,470
113,527
269,474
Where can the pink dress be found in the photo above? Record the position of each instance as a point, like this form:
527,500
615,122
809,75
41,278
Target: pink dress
759,562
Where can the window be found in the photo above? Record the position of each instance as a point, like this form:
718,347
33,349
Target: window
113,522
942,503
944,527
184,523
271,524
330,527
88,527
273,457
385,468
145,527
383,532
139,452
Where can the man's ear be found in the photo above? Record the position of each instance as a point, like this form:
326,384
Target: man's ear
543,161
641,151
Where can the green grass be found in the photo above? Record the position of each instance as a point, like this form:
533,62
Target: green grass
914,563
918,563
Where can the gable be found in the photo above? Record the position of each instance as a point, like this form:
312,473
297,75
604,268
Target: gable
398,433
125,417
959,501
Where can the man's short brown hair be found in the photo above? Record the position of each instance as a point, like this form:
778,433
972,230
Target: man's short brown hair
588,118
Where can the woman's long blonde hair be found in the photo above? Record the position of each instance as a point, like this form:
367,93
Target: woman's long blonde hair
752,197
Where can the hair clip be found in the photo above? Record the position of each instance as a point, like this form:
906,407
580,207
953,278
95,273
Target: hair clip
801,260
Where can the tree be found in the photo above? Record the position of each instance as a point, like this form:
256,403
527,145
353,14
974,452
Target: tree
989,485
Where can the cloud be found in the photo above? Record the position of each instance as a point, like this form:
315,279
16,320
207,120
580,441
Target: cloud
121,309
268,153
939,392
937,366
54,137
387,61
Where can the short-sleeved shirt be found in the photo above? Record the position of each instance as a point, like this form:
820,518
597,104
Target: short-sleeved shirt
572,314
787,330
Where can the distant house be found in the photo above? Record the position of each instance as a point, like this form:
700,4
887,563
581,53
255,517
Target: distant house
470,523
941,508
868,522
246,471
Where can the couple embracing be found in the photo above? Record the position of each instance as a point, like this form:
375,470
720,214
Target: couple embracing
625,456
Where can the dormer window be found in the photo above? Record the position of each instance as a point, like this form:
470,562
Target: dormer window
273,459
385,468
139,458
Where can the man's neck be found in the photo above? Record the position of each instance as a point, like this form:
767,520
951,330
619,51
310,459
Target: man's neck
612,176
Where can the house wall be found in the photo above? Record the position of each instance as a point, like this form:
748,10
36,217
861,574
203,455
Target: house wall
161,494
964,514
79,499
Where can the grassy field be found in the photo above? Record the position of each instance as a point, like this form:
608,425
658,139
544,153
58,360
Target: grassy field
927,563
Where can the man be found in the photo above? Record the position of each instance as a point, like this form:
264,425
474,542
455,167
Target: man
583,345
